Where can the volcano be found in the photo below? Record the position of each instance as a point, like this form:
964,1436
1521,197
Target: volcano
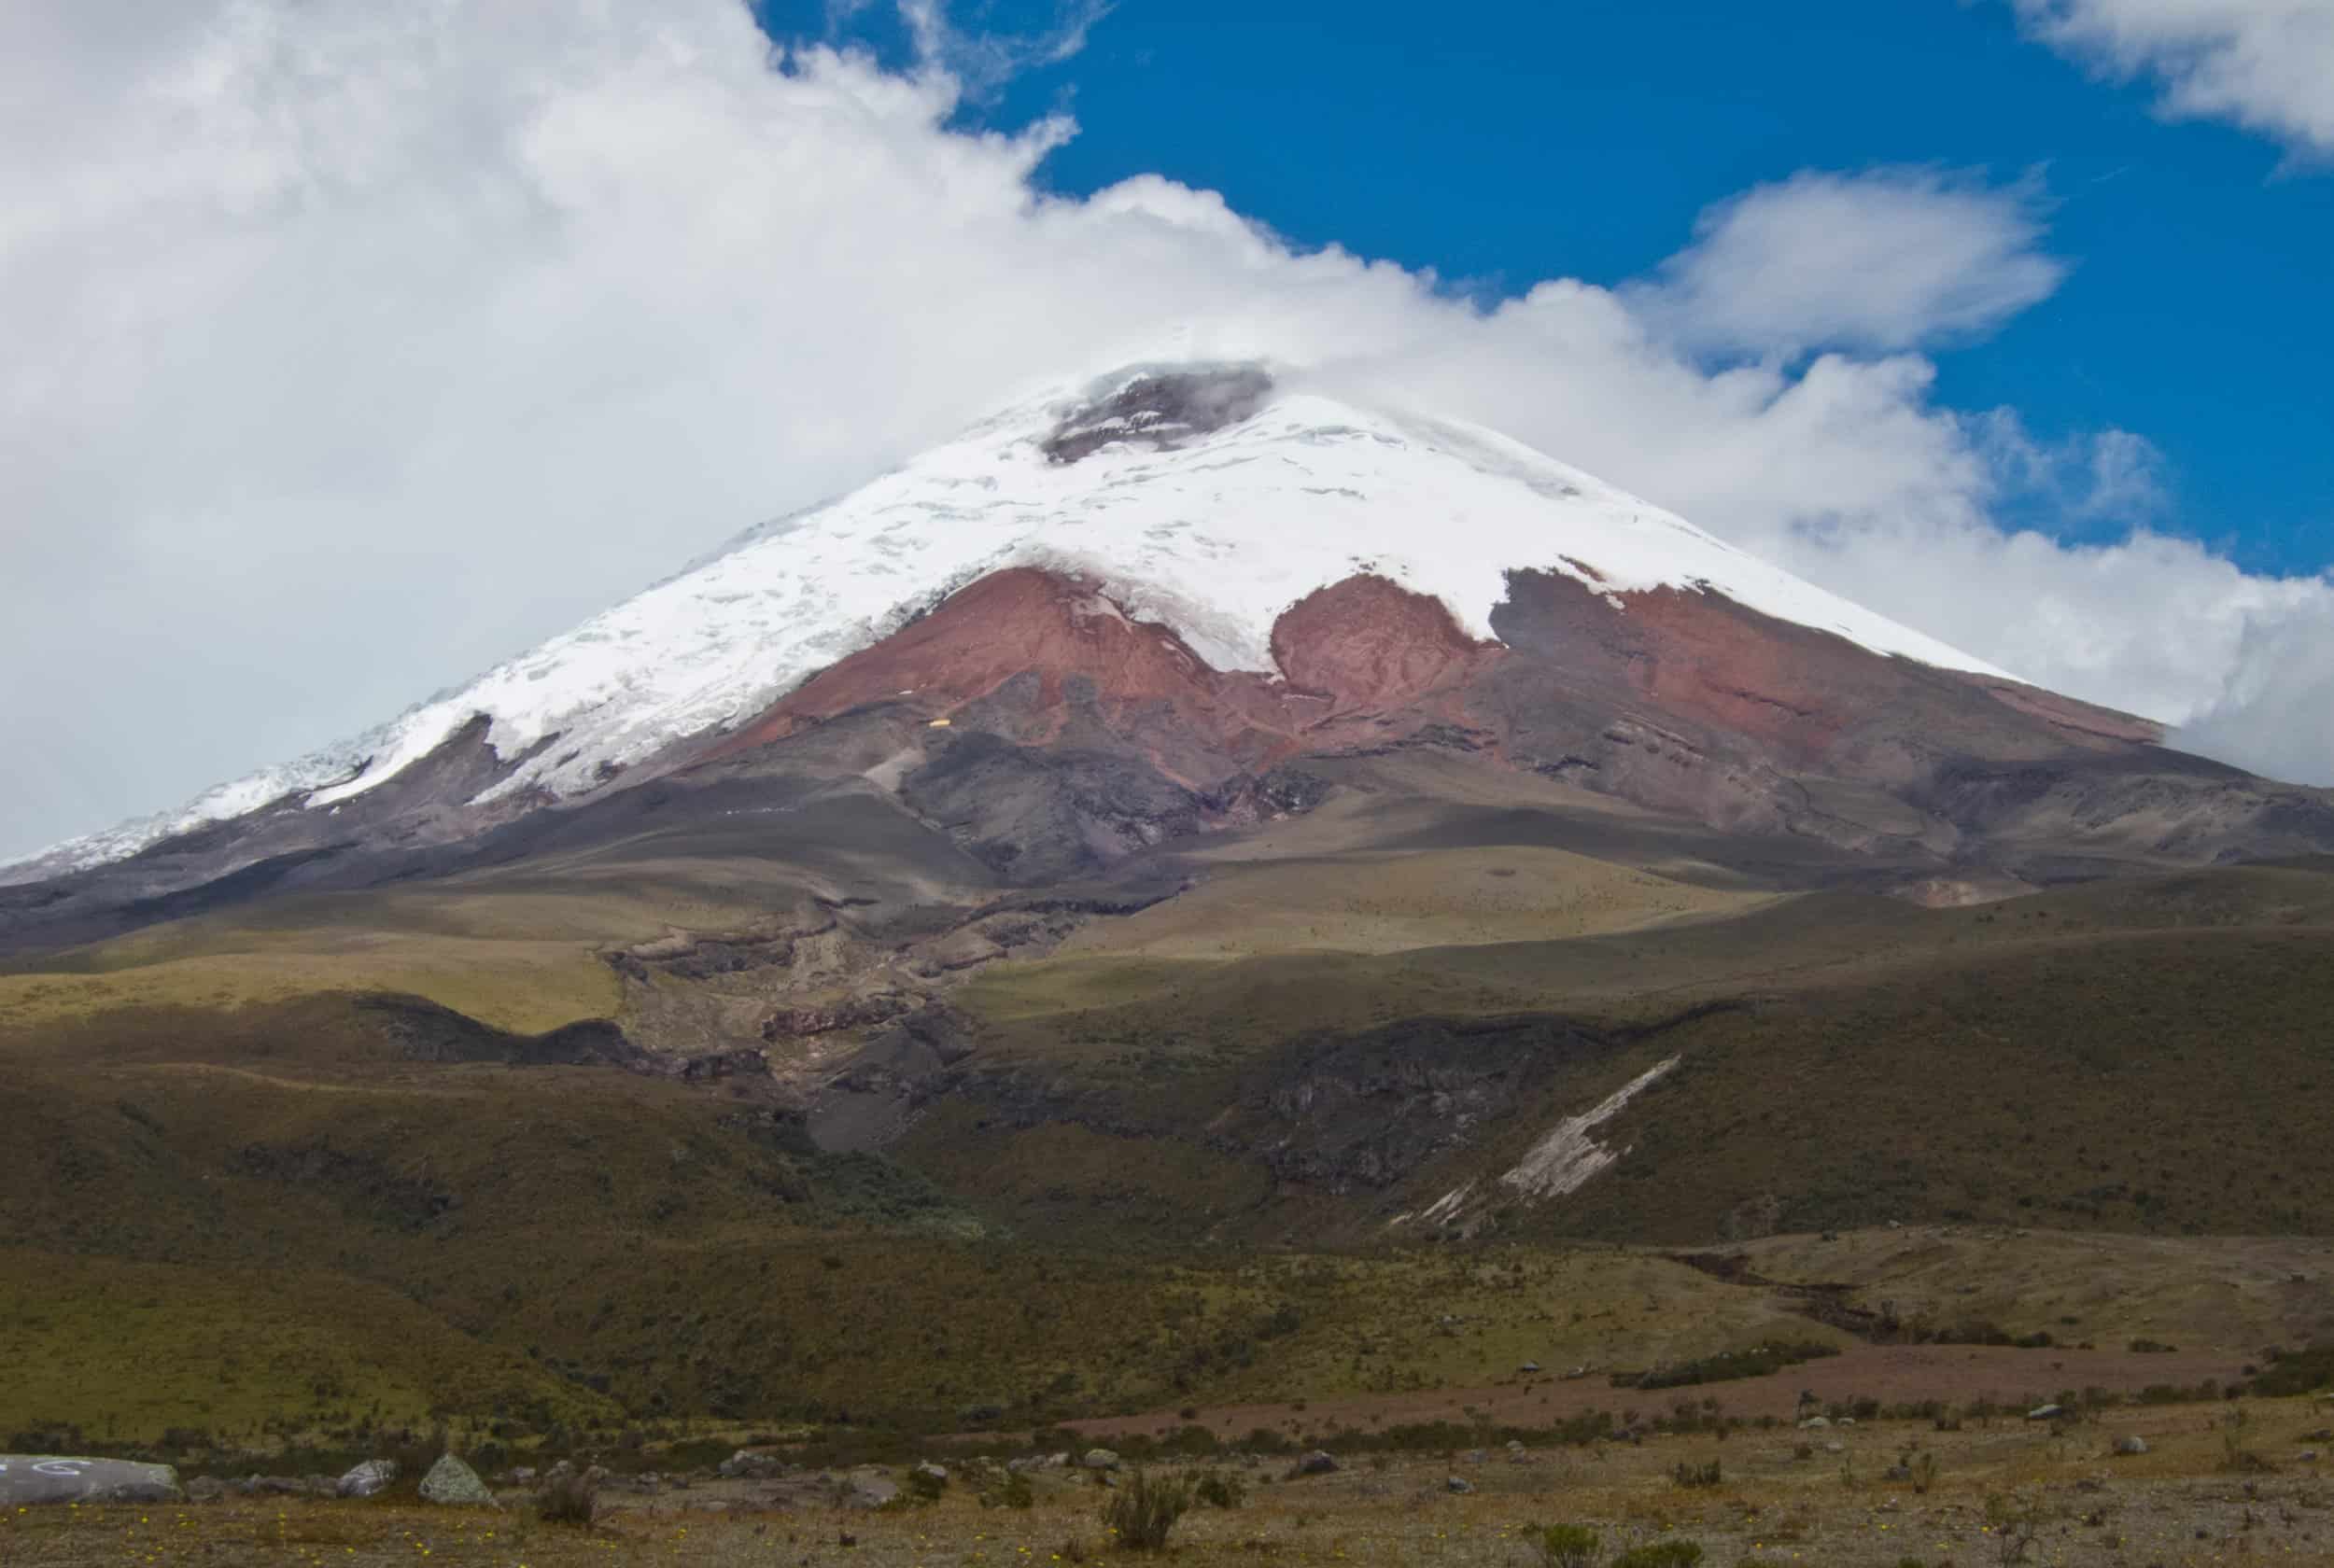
1123,615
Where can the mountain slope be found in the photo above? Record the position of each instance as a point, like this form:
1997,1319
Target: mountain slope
1205,501
1121,617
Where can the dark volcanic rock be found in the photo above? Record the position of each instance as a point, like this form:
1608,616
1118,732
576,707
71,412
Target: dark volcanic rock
1366,1110
1161,410
1038,816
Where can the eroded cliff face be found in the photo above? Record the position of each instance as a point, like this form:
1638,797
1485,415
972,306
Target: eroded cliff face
1055,731
1050,732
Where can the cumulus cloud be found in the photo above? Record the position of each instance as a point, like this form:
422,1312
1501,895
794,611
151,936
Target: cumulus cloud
354,347
1884,260
2264,64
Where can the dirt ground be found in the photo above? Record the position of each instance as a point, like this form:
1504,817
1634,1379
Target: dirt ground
2206,1492
1891,1373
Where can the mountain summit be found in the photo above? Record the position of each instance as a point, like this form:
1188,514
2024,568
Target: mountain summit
1188,576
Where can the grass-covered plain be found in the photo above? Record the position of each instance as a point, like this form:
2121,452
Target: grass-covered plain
1990,1492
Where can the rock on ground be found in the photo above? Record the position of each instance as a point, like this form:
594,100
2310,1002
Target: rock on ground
364,1480
455,1484
29,1479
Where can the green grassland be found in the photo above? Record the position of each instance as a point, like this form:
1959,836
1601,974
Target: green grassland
2147,1056
1128,1196
127,1350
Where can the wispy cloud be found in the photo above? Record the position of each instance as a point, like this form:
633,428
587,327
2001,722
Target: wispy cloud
1879,259
983,59
2264,64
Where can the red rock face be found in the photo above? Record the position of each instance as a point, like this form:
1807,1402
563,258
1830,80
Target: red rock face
1047,655
1370,644
1044,658
1677,699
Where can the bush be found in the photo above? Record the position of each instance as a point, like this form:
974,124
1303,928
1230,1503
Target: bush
1566,1546
1661,1554
1143,1511
1688,1475
568,1499
1215,1490
2015,1523
1016,1492
1717,1369
2292,1372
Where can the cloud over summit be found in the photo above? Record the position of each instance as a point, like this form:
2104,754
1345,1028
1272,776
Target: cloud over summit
355,347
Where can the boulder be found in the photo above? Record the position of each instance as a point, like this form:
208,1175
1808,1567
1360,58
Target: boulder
1459,1485
1815,1423
453,1484
367,1479
206,1489
29,1479
869,1492
1317,1462
2129,1445
1100,1459
930,1474
2046,1412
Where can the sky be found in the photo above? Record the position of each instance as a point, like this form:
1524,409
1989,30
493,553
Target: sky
352,349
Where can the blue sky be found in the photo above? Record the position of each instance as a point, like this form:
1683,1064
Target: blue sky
1498,144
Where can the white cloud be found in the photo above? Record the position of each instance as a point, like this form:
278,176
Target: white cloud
354,347
2266,64
1886,260
980,59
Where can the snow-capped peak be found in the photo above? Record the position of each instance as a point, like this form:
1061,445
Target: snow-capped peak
1206,497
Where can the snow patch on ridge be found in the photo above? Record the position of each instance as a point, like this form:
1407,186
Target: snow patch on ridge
1563,1161
1214,535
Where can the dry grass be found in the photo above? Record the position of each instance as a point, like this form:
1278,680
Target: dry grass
1384,901
2172,1507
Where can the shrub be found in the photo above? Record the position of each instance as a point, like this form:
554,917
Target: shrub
568,1499
1016,1492
1661,1554
1143,1511
2015,1524
1566,1546
1690,1474
1215,1490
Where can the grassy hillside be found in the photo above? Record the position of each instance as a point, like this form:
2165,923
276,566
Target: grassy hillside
127,1350
1168,1169
2143,1055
